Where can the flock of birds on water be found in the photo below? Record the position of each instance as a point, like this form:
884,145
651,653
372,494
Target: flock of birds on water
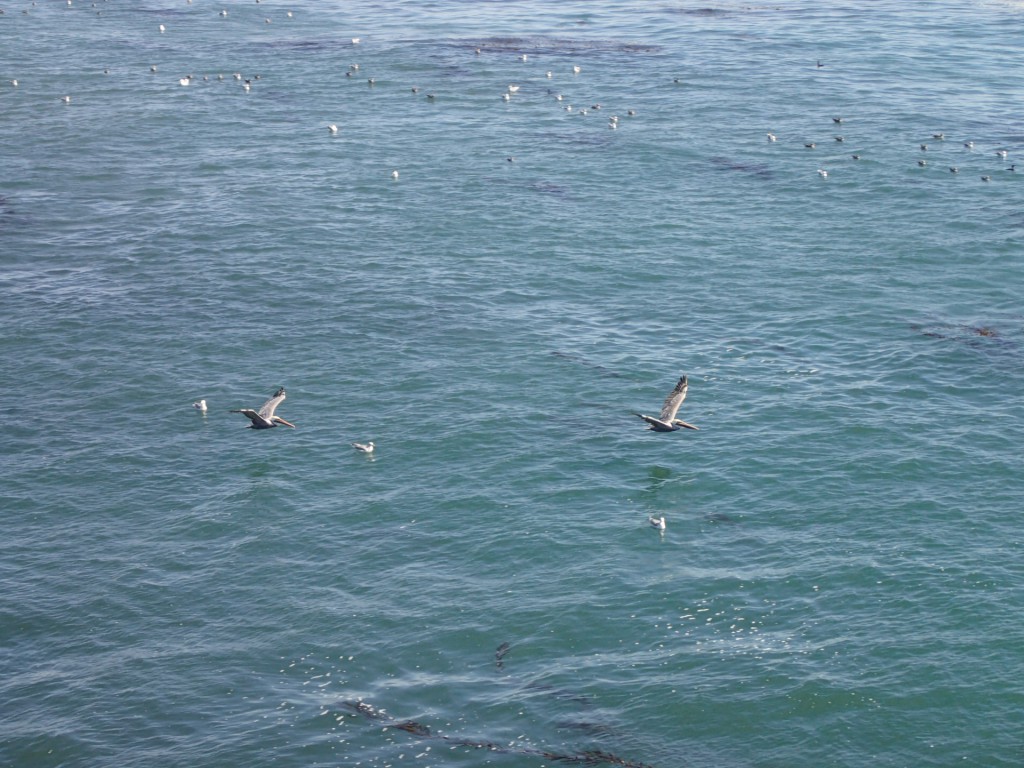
613,121
968,146
266,418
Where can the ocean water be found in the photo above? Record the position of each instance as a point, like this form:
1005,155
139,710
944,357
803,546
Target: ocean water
840,582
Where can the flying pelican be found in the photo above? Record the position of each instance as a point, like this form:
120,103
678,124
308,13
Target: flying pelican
265,418
667,421
658,522
364,448
200,405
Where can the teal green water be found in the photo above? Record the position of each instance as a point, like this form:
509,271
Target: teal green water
840,582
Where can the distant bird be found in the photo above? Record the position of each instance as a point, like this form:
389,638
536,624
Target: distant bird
667,421
200,405
954,169
969,144
924,147
364,447
820,65
163,28
1001,153
823,173
14,83
576,69
1012,167
855,157
986,178
939,136
513,88
66,99
332,129
523,57
185,80
772,137
922,163
837,119
631,112
264,418
840,138
223,13
394,174
658,522
355,41
506,97
810,145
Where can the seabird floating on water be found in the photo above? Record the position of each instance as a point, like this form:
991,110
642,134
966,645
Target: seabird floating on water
772,137
332,129
364,447
264,418
658,522
667,421
823,173
200,405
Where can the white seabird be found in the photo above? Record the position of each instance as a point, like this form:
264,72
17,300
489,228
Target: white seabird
364,447
200,405
667,421
823,173
332,128
658,522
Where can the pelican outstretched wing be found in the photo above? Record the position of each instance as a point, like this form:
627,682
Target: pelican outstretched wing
673,401
249,413
268,408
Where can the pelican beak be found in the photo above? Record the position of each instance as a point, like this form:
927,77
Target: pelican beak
279,420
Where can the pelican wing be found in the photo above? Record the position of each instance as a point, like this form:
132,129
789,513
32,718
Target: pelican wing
268,408
673,401
249,413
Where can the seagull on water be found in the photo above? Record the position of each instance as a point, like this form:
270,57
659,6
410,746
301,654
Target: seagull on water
772,137
666,420
200,405
364,447
658,522
823,173
264,418
332,129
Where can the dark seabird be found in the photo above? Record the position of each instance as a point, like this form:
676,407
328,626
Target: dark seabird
667,421
264,418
